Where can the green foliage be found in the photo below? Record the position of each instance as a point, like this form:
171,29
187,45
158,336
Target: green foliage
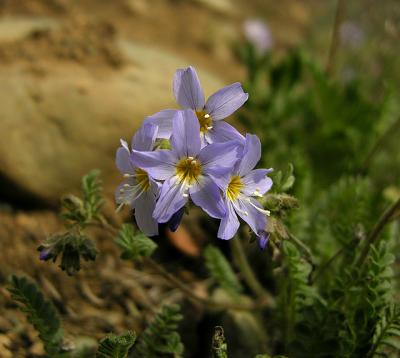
386,339
113,346
81,212
40,313
221,271
219,346
134,245
160,338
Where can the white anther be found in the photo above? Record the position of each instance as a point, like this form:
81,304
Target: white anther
127,175
190,158
185,195
126,185
210,127
193,162
122,191
207,116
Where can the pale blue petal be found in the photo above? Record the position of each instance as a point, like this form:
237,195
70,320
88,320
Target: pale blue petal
185,139
251,155
144,207
172,198
159,164
163,120
187,89
229,224
208,196
256,181
122,159
254,218
219,157
226,101
223,132
144,137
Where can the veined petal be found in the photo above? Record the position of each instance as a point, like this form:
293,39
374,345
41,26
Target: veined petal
172,198
226,101
144,207
244,207
163,120
217,156
251,155
122,159
159,164
185,139
187,89
229,224
207,195
256,182
223,132
144,137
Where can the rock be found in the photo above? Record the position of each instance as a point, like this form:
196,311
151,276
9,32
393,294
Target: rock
59,120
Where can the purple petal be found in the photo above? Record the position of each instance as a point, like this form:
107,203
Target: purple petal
145,136
217,158
144,207
207,195
176,219
170,201
159,164
251,155
122,159
185,140
263,238
254,218
226,101
229,224
163,120
187,89
223,132
256,181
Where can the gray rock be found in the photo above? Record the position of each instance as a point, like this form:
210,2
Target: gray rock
58,120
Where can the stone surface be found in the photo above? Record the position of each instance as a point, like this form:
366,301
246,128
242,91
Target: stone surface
59,122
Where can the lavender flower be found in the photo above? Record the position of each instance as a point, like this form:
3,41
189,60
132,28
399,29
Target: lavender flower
240,189
138,189
351,35
187,169
258,34
221,104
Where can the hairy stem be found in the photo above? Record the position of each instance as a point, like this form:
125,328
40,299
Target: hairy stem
335,42
303,247
207,302
374,235
245,269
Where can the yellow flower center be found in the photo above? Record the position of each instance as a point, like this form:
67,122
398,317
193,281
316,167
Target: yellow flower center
205,121
188,170
143,179
234,188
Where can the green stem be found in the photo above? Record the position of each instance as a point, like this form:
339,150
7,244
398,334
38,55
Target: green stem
245,269
374,235
335,42
306,250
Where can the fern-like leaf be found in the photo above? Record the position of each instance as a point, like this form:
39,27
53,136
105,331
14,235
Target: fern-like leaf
133,245
221,271
40,313
160,338
387,333
92,193
113,346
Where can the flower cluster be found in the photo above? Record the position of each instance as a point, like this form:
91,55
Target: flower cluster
207,161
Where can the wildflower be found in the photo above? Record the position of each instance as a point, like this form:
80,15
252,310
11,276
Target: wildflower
221,104
263,238
138,190
258,34
187,169
241,188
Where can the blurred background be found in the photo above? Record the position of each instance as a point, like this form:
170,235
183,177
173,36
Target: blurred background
78,75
